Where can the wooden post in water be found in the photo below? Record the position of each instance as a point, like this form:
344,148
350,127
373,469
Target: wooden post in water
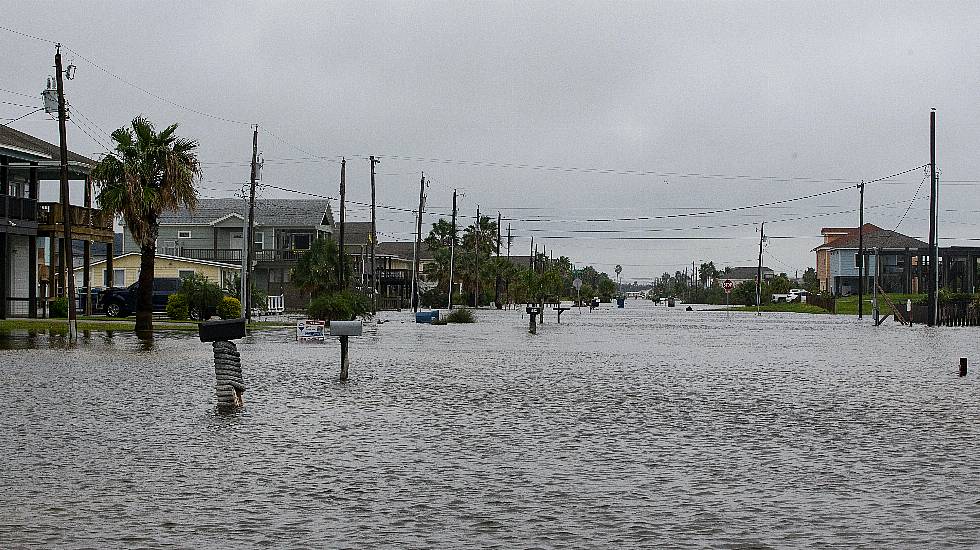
344,361
962,366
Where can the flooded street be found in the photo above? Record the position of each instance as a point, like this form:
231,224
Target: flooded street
640,427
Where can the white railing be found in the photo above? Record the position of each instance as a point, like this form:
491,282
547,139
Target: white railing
275,304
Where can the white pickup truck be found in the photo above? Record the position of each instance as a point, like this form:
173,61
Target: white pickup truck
793,295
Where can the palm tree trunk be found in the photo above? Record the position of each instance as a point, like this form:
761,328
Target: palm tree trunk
144,298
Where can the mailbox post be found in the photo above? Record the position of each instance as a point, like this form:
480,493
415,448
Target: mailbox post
229,382
533,311
345,329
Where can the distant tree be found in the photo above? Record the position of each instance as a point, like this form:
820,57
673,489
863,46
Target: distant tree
441,235
810,281
318,270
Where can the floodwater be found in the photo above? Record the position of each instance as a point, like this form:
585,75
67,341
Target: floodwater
640,427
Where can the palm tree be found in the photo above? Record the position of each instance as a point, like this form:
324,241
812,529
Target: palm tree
149,173
318,271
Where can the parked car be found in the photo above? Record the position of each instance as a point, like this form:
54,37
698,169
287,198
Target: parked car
793,295
121,302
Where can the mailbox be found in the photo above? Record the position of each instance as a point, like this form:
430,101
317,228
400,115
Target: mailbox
345,328
227,329
534,310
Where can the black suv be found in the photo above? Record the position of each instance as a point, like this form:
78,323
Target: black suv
121,302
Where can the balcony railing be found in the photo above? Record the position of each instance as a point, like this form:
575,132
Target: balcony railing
52,213
393,276
235,254
17,208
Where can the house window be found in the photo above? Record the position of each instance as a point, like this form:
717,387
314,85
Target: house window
170,248
185,273
183,234
259,240
301,241
119,277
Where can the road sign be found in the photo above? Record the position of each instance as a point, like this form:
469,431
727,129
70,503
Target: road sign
728,285
577,283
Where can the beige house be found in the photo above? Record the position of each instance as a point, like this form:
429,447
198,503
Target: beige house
126,269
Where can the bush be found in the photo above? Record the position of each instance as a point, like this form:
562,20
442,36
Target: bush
342,305
461,315
201,294
59,308
177,307
229,308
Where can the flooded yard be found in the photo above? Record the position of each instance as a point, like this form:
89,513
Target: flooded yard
643,426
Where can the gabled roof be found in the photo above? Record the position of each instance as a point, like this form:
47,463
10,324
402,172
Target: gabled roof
32,149
355,233
848,232
268,212
180,259
403,250
880,238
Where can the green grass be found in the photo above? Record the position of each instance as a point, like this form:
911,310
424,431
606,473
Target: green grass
102,324
783,307
849,305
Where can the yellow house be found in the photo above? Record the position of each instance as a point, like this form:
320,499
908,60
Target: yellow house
126,269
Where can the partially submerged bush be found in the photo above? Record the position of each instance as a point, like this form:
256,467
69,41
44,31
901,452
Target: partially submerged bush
461,315
343,305
229,308
59,308
177,307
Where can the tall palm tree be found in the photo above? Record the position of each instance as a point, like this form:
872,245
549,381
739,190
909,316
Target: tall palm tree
149,173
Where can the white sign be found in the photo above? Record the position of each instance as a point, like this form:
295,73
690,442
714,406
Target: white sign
308,329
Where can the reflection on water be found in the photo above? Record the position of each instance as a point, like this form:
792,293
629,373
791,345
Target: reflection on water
618,428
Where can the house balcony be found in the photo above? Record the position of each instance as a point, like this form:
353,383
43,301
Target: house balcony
87,224
234,255
15,208
393,276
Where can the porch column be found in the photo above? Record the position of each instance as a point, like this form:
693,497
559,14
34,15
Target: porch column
110,275
62,259
53,267
4,268
87,250
32,277
86,276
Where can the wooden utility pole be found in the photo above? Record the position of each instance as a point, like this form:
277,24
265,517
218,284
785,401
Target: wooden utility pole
508,261
758,283
418,246
476,246
496,280
452,252
374,241
250,234
933,237
344,342
860,256
343,196
65,200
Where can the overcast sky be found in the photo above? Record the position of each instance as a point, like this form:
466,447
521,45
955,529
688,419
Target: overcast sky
645,109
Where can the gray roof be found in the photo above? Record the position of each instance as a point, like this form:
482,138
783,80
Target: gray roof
30,148
268,212
520,261
879,238
402,249
355,233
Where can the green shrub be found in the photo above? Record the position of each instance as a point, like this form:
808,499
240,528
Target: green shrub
201,292
59,308
461,315
439,322
343,305
229,308
177,307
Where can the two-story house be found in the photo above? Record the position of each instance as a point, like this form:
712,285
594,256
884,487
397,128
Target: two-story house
27,225
898,254
284,229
